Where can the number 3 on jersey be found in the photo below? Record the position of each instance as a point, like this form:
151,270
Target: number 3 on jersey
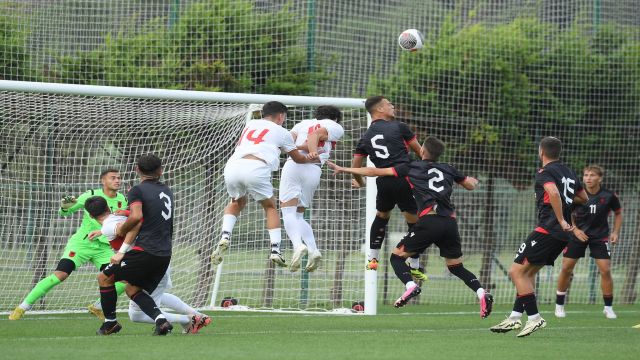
167,204
251,136
381,155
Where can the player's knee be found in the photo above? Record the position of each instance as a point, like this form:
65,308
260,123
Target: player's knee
384,214
61,275
400,252
64,268
605,272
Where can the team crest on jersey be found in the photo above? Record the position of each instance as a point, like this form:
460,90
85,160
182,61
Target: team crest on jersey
72,253
119,204
540,171
602,201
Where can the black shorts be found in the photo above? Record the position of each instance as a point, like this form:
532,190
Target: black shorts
539,249
434,229
140,268
598,248
394,191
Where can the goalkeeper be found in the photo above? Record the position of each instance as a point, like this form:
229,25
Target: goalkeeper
80,249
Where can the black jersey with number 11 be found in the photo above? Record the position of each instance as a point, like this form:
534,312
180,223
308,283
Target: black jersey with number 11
156,232
592,216
568,185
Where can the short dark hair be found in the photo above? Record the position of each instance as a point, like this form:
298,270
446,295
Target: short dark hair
434,146
109,170
273,108
372,102
96,206
328,112
149,164
595,168
551,147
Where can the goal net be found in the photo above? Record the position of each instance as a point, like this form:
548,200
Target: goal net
54,145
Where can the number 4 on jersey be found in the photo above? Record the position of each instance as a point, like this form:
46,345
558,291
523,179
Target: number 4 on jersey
250,136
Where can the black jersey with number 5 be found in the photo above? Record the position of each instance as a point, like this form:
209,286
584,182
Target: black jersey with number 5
432,185
156,232
386,143
568,185
592,217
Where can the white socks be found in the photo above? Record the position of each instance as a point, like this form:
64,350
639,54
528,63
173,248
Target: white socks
275,236
228,222
291,225
534,317
409,285
307,233
25,306
480,293
140,317
174,302
414,263
374,254
515,315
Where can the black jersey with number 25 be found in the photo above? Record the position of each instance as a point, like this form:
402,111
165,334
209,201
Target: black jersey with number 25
432,185
386,143
156,232
568,185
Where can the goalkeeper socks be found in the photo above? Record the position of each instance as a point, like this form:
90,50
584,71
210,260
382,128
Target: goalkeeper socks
378,232
400,267
275,236
465,275
146,304
291,226
307,234
41,289
560,297
414,262
228,222
175,303
108,300
530,304
608,300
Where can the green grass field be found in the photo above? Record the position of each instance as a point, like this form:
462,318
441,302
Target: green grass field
415,332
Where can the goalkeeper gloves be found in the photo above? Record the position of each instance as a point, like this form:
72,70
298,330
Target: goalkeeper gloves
67,202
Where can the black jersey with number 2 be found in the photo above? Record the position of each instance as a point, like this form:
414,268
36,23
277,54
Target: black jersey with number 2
592,216
156,231
432,185
386,143
568,185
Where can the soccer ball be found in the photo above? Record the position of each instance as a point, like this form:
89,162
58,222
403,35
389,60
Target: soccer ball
411,40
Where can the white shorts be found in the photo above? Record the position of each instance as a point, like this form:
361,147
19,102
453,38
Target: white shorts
299,181
163,286
242,176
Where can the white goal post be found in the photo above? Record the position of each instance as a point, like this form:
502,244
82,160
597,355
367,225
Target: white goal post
56,138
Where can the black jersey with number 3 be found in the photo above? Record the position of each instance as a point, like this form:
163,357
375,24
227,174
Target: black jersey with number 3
156,231
592,217
432,185
386,143
568,185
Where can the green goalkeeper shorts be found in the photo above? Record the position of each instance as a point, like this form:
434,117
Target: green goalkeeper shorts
82,250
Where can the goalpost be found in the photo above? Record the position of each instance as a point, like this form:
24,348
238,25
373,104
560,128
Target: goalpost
56,138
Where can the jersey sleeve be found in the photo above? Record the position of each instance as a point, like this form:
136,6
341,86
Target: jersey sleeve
401,170
361,149
134,195
406,132
614,204
295,130
287,141
334,130
458,177
78,205
543,177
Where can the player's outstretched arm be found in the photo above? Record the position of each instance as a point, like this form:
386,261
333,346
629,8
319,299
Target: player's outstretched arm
357,162
363,171
126,244
414,145
69,204
469,183
299,158
319,134
556,205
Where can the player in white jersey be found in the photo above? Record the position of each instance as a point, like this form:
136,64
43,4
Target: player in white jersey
248,172
299,182
190,319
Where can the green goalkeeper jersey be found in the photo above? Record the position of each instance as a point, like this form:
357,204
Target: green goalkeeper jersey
119,202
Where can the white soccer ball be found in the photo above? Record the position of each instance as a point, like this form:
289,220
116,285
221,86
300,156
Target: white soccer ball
411,40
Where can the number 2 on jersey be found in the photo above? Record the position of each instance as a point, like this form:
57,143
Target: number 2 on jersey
251,137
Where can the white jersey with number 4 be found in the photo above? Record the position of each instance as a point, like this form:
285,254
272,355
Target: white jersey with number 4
109,225
306,127
264,139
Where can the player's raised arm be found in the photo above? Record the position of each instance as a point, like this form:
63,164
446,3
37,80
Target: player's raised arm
317,135
362,171
581,197
135,215
69,204
556,205
469,183
357,162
